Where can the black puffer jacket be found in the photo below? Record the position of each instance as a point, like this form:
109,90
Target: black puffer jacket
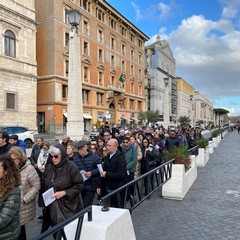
9,215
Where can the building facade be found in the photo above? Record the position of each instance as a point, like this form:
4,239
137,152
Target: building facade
18,68
204,110
160,64
186,104
112,64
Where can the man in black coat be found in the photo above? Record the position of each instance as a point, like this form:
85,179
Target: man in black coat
36,151
114,173
172,141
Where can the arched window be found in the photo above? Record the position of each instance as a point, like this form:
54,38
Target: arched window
10,44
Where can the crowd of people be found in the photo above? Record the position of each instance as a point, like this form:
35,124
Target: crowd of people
77,173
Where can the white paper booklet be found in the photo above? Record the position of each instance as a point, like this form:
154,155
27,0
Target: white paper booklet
47,196
83,175
100,169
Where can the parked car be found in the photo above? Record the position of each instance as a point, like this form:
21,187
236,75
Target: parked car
23,133
94,134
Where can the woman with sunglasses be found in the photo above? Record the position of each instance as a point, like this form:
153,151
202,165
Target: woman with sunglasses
65,179
104,154
148,162
10,199
30,185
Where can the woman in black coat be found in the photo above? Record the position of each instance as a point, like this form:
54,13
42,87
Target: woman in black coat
64,177
148,163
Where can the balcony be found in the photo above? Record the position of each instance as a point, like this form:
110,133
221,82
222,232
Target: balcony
115,88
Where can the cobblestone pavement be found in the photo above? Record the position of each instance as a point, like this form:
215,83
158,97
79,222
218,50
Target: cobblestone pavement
209,211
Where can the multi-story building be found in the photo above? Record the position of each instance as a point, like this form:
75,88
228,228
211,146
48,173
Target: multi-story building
112,64
192,104
160,64
18,68
185,105
203,109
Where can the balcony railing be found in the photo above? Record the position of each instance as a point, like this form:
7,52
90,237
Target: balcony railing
115,88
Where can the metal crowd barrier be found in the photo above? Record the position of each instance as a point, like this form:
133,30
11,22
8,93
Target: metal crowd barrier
132,194
59,228
193,150
128,196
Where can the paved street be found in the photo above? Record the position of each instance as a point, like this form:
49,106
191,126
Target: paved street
209,211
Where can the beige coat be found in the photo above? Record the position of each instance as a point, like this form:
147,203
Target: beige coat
30,186
139,159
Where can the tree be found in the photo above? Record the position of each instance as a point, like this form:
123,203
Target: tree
149,116
184,120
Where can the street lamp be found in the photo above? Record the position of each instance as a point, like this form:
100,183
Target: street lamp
192,110
166,103
75,125
166,81
74,17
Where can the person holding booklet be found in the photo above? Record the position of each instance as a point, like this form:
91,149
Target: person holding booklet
88,165
64,182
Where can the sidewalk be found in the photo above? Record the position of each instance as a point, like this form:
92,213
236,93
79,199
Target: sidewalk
209,211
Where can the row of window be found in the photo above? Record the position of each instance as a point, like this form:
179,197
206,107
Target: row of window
122,50
112,23
113,80
99,100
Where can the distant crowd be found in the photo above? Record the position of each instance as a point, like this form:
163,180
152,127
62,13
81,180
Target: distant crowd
76,173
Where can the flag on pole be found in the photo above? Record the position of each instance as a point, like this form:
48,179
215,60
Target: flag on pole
122,79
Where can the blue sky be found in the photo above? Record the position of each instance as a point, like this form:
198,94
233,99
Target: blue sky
204,37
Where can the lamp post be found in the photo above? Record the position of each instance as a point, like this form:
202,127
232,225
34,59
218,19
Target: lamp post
192,110
75,125
166,103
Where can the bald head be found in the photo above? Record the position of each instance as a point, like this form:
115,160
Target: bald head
112,145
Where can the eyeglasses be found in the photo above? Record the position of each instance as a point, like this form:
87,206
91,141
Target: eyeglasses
145,142
54,156
125,142
93,148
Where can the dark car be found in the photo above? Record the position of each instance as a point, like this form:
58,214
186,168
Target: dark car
23,133
94,134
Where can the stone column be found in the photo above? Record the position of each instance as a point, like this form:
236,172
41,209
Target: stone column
75,125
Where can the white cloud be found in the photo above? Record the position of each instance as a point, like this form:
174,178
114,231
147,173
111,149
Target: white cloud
154,12
230,8
137,10
207,56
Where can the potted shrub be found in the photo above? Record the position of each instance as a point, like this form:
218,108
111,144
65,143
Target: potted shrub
203,154
184,173
215,134
181,156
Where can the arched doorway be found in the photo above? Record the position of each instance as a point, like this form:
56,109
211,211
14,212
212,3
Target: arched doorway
112,120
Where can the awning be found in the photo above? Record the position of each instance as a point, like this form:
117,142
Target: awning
87,116
123,117
132,119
